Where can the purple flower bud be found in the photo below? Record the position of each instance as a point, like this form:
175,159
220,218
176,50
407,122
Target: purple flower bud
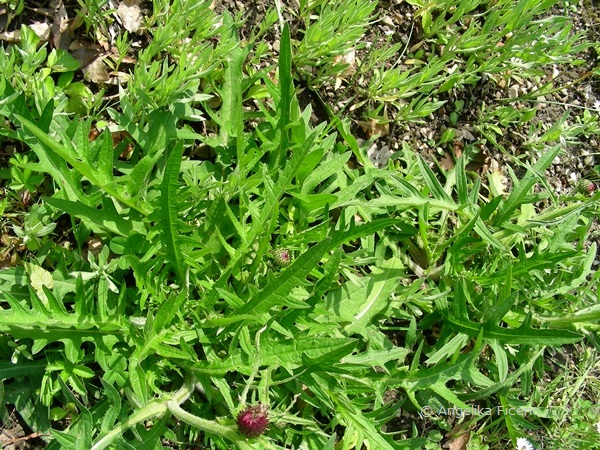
253,421
586,187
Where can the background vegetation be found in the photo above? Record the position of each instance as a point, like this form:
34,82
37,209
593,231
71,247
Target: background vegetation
359,214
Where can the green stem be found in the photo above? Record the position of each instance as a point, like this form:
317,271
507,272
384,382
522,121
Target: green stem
171,404
208,426
153,409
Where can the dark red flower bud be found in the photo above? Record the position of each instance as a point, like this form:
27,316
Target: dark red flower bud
253,421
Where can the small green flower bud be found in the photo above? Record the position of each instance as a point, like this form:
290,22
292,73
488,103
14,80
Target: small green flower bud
281,257
586,187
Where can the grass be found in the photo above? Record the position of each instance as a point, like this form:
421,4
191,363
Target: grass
193,242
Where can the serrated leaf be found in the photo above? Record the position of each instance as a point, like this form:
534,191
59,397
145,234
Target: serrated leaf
285,86
521,188
230,117
402,203
358,304
522,335
277,292
168,310
377,358
369,228
71,329
324,171
168,219
288,354
370,436
67,153
380,287
105,220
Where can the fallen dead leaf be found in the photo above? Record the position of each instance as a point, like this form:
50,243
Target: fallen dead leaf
497,178
12,37
42,29
374,127
130,14
62,36
457,148
96,71
479,161
83,52
378,156
447,162
458,442
350,60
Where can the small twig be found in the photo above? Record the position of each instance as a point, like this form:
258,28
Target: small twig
41,11
25,438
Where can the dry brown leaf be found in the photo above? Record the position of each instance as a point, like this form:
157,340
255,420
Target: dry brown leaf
62,36
349,59
374,127
130,14
457,148
12,37
102,40
478,162
447,163
458,442
350,69
83,53
96,71
497,178
42,29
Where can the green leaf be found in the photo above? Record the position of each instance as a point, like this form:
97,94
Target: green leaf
277,292
377,358
61,61
375,293
287,353
68,154
167,216
501,359
285,86
43,327
107,220
324,171
369,228
402,203
521,188
352,416
230,114
522,335
9,370
168,310
358,305
432,182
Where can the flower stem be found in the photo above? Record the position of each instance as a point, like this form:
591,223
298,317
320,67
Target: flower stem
208,426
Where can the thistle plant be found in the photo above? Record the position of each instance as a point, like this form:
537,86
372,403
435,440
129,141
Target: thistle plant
398,288
253,421
281,257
